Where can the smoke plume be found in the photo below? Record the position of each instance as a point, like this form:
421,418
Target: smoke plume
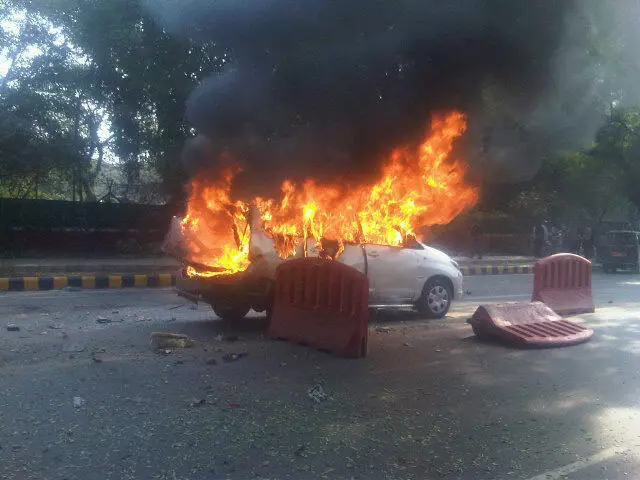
325,87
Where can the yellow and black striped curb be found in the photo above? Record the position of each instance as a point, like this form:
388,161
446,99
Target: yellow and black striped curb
495,269
17,284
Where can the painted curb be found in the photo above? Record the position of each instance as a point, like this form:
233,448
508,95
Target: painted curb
496,270
132,280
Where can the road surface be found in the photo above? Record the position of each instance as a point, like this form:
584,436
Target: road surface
82,395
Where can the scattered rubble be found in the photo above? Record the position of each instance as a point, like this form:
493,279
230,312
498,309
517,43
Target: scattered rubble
78,402
232,357
317,394
161,340
73,348
56,326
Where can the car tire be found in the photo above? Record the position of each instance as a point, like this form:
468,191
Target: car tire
436,298
230,311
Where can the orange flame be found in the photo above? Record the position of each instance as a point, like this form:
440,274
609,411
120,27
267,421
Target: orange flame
417,188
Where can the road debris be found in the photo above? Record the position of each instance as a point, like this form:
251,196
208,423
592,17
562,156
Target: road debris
78,402
199,403
232,404
232,357
103,320
317,394
383,329
12,327
170,340
56,326
74,348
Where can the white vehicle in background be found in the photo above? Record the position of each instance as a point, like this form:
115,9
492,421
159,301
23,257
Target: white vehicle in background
415,276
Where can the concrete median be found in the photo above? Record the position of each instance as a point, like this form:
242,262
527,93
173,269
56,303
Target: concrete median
59,282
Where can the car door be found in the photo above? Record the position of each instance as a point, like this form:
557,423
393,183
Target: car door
394,274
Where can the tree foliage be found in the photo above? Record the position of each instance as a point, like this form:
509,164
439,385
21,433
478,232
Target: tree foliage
78,65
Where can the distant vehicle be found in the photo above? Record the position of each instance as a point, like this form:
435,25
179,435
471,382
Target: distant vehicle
415,276
620,250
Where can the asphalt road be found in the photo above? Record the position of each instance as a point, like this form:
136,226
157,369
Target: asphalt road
429,402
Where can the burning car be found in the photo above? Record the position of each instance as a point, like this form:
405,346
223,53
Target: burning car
231,248
413,275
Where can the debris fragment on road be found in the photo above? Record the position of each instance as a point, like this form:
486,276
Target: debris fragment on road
383,329
161,340
232,357
317,394
12,327
78,402
73,348
56,326
103,320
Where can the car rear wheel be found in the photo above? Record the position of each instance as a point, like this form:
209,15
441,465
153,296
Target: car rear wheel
231,311
436,298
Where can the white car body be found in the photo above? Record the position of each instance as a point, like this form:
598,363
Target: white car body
415,276
397,275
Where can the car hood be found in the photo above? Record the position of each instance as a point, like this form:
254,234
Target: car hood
436,255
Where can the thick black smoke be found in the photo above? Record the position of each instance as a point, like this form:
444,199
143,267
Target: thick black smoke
330,86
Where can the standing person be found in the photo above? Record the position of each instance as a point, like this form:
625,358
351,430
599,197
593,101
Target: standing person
556,240
578,248
476,239
588,242
540,239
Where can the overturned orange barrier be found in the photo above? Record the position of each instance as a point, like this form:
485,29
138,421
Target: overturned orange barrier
322,304
527,325
563,282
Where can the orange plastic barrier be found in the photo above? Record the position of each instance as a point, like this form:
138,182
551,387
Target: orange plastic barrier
563,282
527,325
322,304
